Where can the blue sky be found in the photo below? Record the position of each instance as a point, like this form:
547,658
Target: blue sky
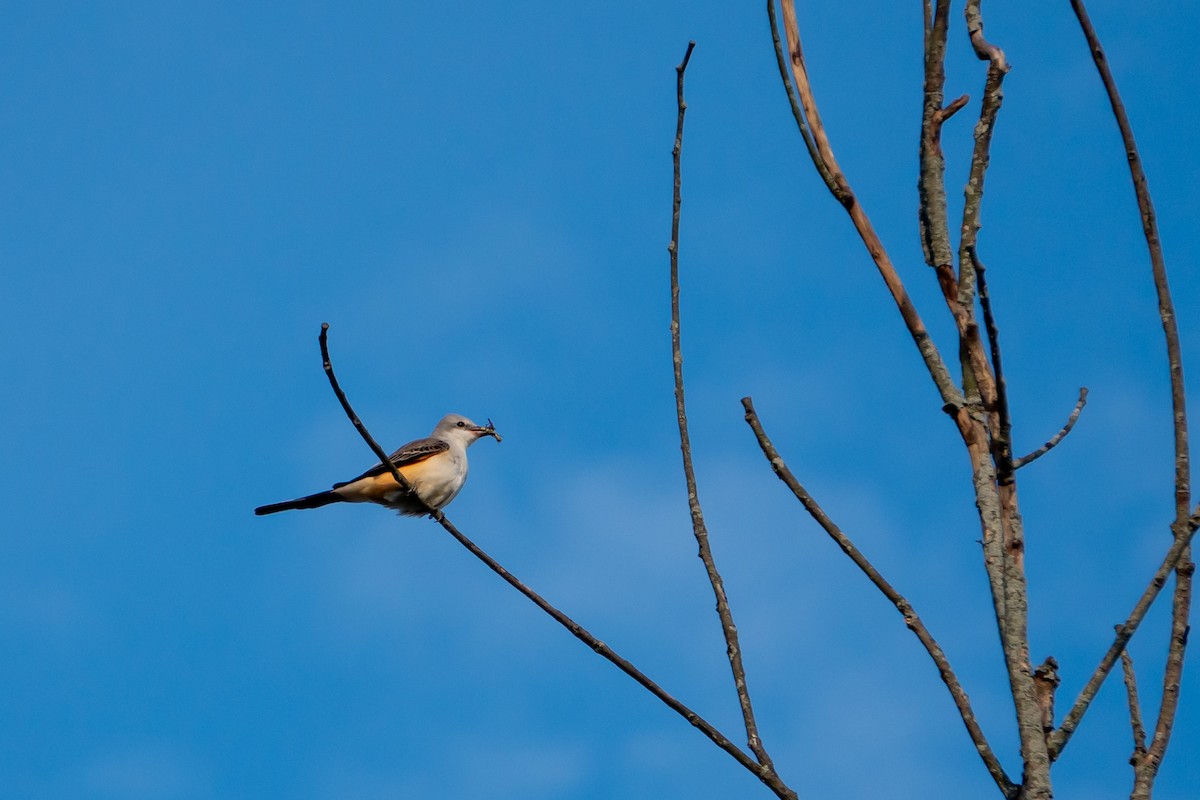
477,200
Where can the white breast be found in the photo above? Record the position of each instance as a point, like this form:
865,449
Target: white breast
437,480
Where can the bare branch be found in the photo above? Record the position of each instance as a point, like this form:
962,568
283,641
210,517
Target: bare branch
985,50
999,515
1135,709
822,170
379,452
733,646
1166,306
1181,605
767,776
962,297
977,376
952,399
935,229
931,182
1013,610
1124,633
1002,438
991,383
914,623
993,98
1058,437
954,106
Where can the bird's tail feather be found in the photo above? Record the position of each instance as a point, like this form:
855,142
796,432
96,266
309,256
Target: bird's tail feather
311,501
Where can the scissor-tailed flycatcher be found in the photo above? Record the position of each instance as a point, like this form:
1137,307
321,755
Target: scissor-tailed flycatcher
436,468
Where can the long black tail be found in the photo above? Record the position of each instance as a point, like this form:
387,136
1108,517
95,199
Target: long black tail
312,501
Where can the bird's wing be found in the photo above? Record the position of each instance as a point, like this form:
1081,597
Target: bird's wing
411,453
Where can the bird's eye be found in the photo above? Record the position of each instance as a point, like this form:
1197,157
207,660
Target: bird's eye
461,424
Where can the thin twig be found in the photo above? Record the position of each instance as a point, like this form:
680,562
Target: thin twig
768,777
1181,605
953,107
1001,439
911,619
1124,633
581,633
728,628
379,452
1058,437
1166,306
1135,709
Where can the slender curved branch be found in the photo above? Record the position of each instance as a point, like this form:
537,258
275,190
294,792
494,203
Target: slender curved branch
1166,306
768,777
379,452
582,634
1058,437
794,102
952,399
1181,605
699,529
961,701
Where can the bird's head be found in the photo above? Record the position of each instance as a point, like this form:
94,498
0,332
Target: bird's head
457,427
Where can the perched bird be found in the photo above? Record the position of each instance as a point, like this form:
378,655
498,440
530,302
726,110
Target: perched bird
436,469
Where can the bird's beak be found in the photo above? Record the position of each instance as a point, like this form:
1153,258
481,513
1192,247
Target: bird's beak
487,430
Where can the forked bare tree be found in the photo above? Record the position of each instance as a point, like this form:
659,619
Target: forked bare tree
976,405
